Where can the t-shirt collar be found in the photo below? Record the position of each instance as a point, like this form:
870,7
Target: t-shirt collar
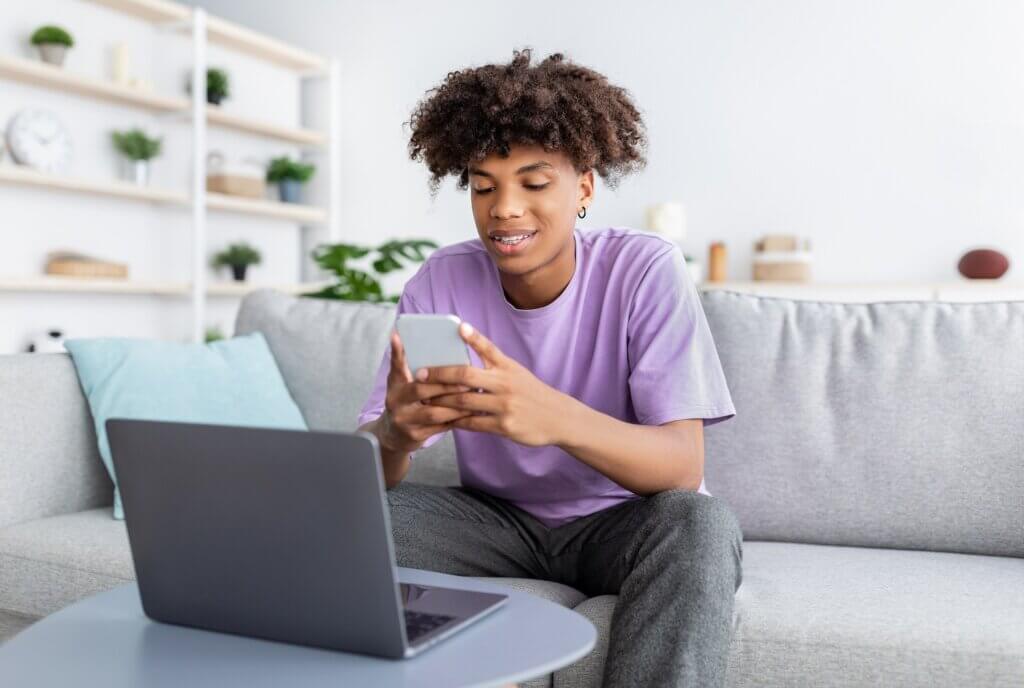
555,306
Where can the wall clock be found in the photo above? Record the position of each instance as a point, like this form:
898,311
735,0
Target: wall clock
38,139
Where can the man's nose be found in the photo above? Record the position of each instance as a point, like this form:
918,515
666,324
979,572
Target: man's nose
506,205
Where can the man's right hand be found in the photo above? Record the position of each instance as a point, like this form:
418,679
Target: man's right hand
406,422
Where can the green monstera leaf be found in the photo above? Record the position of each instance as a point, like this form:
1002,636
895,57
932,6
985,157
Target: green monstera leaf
355,284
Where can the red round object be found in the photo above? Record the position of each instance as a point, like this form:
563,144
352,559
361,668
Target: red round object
983,263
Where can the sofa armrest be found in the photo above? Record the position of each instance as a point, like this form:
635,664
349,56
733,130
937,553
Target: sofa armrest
49,458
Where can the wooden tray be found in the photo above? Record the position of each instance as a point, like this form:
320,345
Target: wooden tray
86,268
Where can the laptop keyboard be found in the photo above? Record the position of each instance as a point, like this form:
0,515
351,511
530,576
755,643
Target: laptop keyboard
418,623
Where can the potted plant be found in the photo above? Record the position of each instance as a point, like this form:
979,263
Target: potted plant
137,150
355,284
238,256
52,42
217,85
289,175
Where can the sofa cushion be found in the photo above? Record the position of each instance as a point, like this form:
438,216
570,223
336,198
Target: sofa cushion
894,424
804,614
817,615
50,457
51,562
553,592
328,352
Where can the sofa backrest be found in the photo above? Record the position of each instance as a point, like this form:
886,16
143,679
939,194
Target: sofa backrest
896,424
49,456
328,352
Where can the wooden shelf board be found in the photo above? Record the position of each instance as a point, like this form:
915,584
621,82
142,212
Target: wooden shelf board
284,211
308,137
222,32
41,74
148,10
29,177
214,201
250,42
37,73
57,283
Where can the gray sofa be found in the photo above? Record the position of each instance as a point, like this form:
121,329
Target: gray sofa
876,464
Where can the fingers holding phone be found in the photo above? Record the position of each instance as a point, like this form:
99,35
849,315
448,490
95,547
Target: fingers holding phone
408,422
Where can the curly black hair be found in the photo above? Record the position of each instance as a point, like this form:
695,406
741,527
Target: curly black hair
555,104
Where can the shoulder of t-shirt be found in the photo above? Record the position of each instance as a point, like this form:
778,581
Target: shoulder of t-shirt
639,245
441,260
642,250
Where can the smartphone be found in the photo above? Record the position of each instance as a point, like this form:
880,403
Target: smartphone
432,339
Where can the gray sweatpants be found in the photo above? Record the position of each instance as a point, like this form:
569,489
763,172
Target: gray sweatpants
674,559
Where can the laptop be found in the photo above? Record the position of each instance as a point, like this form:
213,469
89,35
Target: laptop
277,534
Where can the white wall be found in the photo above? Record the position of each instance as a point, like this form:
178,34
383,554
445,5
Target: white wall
890,133
154,242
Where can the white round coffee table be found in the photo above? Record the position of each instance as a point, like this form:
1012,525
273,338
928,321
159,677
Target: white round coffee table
106,641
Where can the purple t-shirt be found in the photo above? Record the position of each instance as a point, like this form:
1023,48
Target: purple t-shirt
627,336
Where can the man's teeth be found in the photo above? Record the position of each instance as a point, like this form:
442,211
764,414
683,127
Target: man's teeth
513,240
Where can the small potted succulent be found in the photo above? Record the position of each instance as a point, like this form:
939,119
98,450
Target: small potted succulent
136,150
289,175
238,256
217,85
52,42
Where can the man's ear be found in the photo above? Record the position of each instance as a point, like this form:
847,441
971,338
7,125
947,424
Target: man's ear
586,186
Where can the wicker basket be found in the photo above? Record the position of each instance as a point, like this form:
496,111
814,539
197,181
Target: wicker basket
236,185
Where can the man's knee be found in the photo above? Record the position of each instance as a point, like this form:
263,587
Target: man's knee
700,519
695,526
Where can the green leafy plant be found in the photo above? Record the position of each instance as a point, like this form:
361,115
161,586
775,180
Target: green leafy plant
135,145
355,284
240,253
284,167
217,85
213,334
52,34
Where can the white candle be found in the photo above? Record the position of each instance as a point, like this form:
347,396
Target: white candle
667,219
120,63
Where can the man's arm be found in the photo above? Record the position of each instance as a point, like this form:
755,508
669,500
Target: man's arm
645,459
394,463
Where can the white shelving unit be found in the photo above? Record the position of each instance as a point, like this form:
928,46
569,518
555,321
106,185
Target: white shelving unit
202,30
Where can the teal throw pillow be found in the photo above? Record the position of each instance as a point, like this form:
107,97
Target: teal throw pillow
225,382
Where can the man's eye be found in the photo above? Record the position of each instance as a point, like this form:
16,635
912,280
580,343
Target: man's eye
531,187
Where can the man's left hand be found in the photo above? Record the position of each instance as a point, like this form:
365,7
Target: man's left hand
513,403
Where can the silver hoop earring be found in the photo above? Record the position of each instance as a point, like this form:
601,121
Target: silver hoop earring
584,211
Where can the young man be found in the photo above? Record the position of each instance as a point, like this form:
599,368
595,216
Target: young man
579,428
